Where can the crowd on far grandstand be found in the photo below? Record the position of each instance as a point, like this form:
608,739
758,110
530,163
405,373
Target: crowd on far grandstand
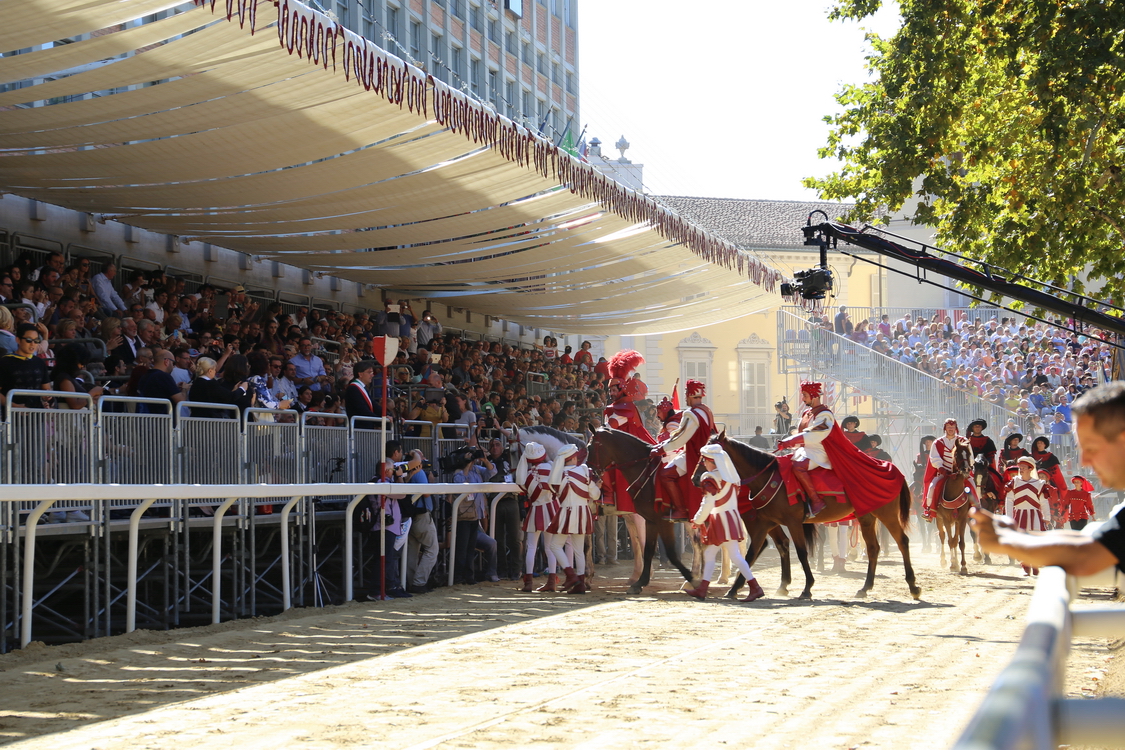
1032,369
67,329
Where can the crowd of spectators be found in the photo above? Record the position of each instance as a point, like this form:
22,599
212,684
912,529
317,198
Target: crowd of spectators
1032,369
219,346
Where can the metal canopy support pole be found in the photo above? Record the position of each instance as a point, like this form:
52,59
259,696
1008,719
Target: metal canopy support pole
134,533
217,556
29,570
286,583
349,552
404,554
453,535
492,514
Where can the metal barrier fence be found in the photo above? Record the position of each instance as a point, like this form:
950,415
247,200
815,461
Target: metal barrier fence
899,386
873,315
223,560
126,440
1025,707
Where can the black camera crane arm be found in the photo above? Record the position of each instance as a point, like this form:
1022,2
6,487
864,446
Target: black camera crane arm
1046,297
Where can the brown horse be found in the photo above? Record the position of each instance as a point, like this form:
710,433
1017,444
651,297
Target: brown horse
632,457
760,471
951,522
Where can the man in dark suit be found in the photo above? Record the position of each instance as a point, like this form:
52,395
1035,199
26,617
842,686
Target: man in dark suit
357,396
127,352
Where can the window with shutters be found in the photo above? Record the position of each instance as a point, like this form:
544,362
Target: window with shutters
755,402
696,355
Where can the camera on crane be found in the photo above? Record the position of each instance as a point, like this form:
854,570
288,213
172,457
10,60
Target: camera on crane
814,283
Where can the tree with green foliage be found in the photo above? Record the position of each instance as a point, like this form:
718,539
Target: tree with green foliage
1006,119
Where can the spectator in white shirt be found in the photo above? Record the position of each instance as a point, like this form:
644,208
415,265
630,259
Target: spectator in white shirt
181,372
111,304
284,389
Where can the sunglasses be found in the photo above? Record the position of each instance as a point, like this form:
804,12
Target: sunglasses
32,341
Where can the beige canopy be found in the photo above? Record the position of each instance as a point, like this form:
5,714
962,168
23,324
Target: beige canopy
275,132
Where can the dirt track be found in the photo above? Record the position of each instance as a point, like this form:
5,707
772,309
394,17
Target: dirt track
483,666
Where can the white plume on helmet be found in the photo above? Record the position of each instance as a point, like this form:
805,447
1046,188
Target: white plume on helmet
724,467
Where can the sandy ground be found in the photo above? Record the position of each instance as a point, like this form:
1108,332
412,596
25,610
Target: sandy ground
484,666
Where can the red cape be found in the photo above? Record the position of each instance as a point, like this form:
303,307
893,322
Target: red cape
870,483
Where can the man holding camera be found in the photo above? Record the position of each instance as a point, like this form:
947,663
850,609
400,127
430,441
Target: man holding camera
428,328
395,471
473,468
422,552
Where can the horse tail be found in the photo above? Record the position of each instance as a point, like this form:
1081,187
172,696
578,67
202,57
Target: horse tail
905,500
811,539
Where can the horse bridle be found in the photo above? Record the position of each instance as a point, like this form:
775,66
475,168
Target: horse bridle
772,463
641,481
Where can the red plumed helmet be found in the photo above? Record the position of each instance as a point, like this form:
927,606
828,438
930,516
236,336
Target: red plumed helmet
695,388
622,364
664,409
812,388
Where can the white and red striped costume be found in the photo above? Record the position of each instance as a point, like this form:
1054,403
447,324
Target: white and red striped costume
543,505
1026,503
533,475
718,513
575,491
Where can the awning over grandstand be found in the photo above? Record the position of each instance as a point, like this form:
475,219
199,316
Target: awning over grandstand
272,131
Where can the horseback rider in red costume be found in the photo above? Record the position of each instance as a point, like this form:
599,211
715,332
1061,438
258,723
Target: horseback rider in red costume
697,423
669,419
622,412
982,445
814,426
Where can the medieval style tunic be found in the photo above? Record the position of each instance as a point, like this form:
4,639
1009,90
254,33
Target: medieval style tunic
813,428
1026,503
575,491
718,513
982,445
622,414
543,506
941,457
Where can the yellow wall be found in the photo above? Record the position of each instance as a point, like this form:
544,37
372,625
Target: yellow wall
726,345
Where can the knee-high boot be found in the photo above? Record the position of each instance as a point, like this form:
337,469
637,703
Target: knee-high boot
815,503
673,497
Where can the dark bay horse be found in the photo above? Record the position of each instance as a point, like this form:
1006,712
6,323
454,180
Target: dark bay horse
631,456
951,522
760,471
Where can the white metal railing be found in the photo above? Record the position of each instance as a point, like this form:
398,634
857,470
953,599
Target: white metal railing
46,496
126,440
1025,707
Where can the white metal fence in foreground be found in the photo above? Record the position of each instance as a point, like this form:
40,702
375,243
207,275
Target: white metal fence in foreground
46,495
1025,707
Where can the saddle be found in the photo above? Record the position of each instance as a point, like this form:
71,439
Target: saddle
826,482
956,503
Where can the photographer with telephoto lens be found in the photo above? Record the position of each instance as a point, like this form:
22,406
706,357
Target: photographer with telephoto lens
473,467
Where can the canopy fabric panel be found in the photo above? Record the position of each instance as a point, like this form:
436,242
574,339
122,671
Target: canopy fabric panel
268,129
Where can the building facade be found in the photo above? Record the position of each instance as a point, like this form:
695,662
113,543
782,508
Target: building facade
519,55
